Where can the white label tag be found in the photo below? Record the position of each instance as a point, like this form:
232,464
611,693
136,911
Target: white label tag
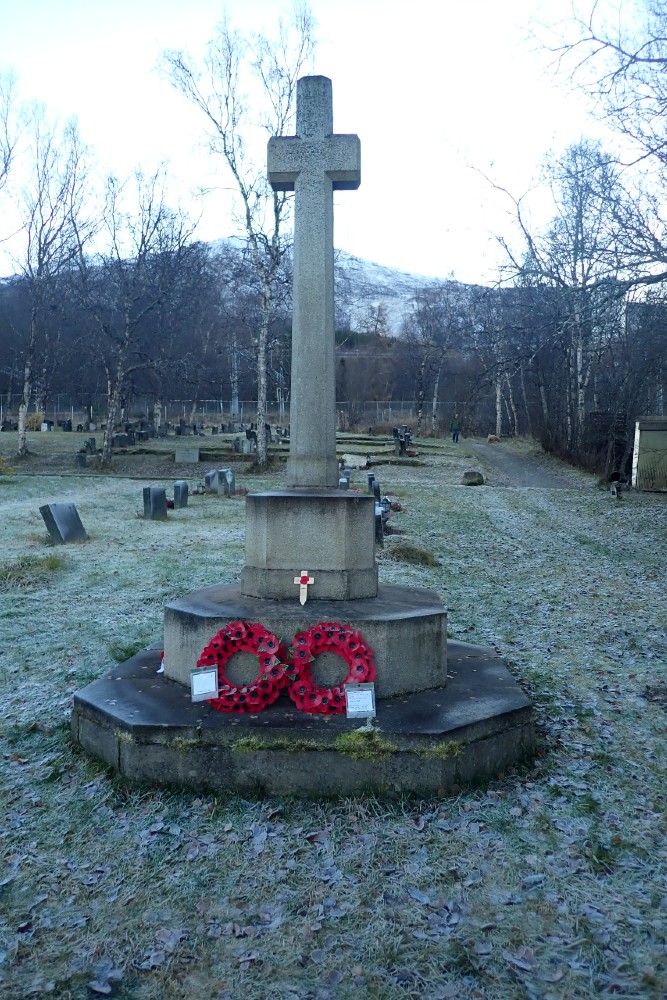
204,683
360,701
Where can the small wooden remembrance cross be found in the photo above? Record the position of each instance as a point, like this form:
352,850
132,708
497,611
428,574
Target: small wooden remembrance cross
303,580
313,163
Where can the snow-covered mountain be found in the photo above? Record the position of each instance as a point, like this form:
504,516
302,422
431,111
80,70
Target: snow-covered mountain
364,287
370,297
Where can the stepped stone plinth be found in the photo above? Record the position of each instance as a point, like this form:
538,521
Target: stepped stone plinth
327,532
406,627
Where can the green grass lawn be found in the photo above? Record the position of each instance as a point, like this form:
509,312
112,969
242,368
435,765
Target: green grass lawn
545,883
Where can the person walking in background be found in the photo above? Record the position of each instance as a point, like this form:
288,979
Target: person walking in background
455,428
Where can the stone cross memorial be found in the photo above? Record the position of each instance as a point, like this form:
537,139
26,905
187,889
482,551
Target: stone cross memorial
314,163
310,569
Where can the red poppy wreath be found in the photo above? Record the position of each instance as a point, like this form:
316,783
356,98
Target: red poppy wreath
242,637
327,637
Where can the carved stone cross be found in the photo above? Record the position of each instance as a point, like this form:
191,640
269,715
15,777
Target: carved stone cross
313,163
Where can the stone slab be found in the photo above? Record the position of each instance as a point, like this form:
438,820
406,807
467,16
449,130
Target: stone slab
406,627
186,455
146,728
63,523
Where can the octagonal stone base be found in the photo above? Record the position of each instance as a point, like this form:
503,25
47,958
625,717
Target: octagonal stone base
147,729
406,627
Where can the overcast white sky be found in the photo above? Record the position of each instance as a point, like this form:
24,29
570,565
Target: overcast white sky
430,86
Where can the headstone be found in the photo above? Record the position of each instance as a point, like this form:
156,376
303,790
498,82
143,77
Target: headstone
248,446
343,483
214,429
356,461
379,525
313,163
371,477
63,522
81,460
180,494
376,490
212,481
236,446
155,503
90,445
227,481
186,455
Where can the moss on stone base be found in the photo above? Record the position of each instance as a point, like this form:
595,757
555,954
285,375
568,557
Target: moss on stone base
365,744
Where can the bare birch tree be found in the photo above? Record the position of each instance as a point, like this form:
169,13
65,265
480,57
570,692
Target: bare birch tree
49,202
9,125
582,253
218,88
146,243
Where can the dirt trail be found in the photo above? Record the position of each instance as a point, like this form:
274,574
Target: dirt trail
521,465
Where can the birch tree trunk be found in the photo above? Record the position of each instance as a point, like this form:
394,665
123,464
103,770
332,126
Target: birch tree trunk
499,407
234,378
113,413
22,445
524,396
421,393
434,406
262,451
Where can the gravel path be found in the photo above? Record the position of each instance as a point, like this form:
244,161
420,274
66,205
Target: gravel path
519,464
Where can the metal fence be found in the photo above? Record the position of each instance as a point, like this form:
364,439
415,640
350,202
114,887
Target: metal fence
364,413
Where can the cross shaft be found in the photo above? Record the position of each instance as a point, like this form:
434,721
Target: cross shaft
313,163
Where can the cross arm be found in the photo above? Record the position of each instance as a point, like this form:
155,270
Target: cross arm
338,156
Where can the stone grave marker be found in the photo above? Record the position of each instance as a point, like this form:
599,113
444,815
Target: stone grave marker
180,494
63,522
212,481
228,481
379,525
155,503
186,455
81,460
371,477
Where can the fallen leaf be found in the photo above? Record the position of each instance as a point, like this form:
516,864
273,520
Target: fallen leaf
99,986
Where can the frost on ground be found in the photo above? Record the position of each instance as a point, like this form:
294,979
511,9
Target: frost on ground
548,883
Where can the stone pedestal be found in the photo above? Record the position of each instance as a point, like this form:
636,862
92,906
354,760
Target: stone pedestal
406,627
329,533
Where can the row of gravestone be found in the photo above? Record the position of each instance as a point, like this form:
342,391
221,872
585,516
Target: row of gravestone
156,504
382,504
402,439
220,481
